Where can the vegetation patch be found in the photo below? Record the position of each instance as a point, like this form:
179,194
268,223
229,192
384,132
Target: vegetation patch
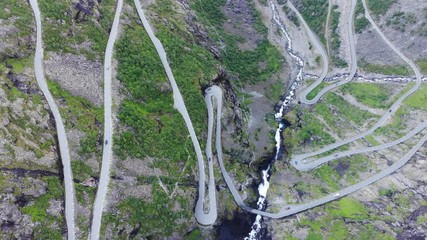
385,69
328,176
370,94
48,227
336,39
305,130
250,66
360,22
339,219
349,208
423,66
314,13
155,217
418,99
349,111
379,7
399,20
316,90
397,125
64,32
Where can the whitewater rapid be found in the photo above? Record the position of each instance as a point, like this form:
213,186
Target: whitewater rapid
286,100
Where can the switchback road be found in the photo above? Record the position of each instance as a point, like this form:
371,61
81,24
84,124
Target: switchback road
215,92
208,218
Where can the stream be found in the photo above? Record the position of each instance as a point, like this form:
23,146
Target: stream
286,99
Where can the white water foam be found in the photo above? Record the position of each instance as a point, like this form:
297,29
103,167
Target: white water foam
263,187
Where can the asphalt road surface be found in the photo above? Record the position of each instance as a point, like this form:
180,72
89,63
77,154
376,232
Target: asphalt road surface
62,136
297,159
215,92
318,45
202,217
104,178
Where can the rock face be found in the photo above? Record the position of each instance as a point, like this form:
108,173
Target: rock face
84,8
198,30
13,223
77,75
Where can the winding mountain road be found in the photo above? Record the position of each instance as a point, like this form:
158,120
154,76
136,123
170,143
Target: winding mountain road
307,165
108,129
215,92
325,60
214,95
318,45
296,160
61,134
202,217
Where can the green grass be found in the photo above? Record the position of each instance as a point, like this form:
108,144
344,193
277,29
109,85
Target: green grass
82,169
372,140
369,94
323,109
347,110
250,66
210,11
349,208
93,30
360,22
328,176
81,114
84,114
422,219
38,212
418,99
196,234
315,13
379,7
155,127
312,128
19,64
22,11
384,69
422,64
398,123
316,90
339,218
356,164
154,217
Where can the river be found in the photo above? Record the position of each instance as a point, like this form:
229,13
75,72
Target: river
256,230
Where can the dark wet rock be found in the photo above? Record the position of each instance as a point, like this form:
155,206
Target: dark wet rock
341,167
412,234
198,30
14,224
21,200
380,206
21,172
23,83
236,228
85,8
420,211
